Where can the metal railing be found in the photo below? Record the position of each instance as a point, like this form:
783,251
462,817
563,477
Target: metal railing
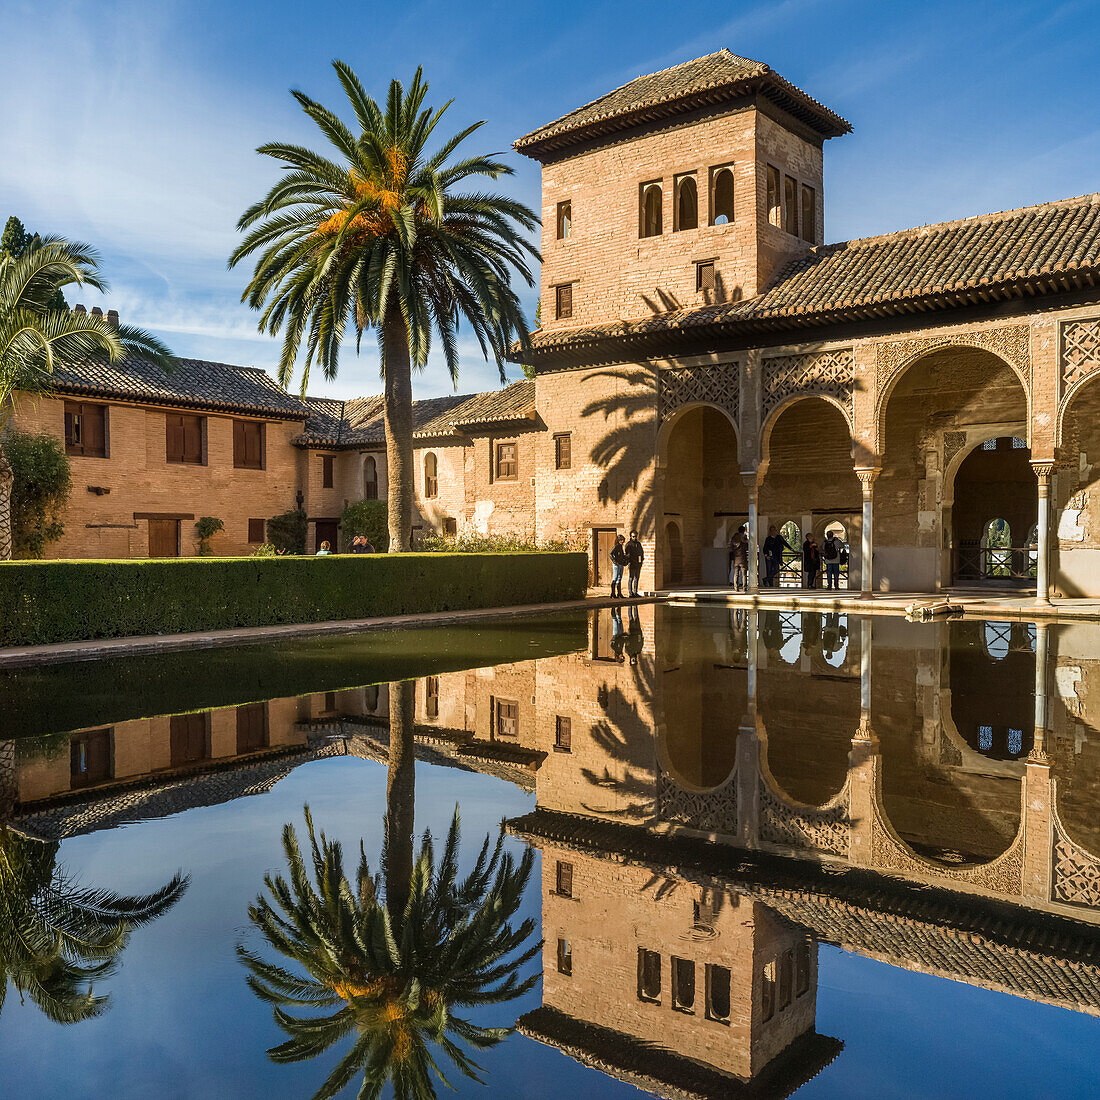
988,563
790,572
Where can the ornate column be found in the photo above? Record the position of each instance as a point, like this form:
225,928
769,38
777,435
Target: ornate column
1043,471
1038,800
867,475
748,746
863,762
753,579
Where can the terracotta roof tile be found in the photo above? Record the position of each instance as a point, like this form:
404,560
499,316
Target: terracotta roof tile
1035,249
717,75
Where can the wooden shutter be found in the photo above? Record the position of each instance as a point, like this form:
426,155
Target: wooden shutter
192,439
563,734
189,738
240,445
255,530
173,437
326,471
248,445
564,301
565,878
164,538
95,431
252,728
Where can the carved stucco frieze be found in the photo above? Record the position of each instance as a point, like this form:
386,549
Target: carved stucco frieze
1080,351
1010,342
1076,875
953,442
716,385
823,829
823,373
711,811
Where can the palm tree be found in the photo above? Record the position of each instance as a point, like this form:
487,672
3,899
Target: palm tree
390,968
57,938
381,238
35,335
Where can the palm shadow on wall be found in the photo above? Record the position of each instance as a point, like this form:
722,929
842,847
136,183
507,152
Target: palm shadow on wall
625,453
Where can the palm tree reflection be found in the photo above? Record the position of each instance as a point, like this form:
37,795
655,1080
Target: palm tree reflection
58,938
387,960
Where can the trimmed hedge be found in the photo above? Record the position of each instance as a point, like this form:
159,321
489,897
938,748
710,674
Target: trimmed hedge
61,601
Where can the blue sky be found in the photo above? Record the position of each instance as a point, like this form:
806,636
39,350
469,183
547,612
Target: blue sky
132,124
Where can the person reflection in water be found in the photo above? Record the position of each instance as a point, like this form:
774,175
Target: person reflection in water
618,635
635,639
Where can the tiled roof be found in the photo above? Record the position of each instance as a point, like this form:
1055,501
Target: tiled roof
194,383
1036,250
359,423
715,77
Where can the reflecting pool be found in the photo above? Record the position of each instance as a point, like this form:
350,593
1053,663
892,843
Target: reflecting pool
765,854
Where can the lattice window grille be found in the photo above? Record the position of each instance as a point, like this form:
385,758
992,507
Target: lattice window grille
680,386
1080,349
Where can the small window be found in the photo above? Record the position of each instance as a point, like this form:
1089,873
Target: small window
802,968
505,718
563,301
775,205
563,451
790,205
767,992
989,445
255,530
370,697
563,878
704,275
565,221
85,429
649,975
786,962
370,478
330,702
507,463
248,445
565,957
985,738
1015,742
652,199
1019,444
809,214
91,757
683,985
431,477
326,472
450,525
721,197
431,697
252,729
183,438
687,203
563,734
718,993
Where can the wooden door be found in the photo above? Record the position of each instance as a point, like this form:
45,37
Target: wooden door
90,755
251,728
603,539
190,738
164,538
327,530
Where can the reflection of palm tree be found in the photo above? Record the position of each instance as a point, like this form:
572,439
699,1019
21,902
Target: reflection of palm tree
57,938
399,951
392,975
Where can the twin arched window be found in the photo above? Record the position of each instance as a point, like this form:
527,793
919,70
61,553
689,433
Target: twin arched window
651,210
687,203
431,477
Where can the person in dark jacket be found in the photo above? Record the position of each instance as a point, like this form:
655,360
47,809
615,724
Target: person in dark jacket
618,563
635,555
773,555
811,561
635,639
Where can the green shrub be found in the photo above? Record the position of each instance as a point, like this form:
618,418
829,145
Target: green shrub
265,550
370,518
41,490
470,542
287,533
206,527
61,601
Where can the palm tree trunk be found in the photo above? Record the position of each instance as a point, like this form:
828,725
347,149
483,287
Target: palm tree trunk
9,782
400,798
7,479
397,367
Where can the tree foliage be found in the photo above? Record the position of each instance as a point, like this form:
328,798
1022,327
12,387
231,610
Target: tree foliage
206,527
366,517
287,532
41,486
15,241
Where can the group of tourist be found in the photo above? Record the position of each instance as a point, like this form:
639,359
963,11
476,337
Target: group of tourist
627,555
831,554
359,545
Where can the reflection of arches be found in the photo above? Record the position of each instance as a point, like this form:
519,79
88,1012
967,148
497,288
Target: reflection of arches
697,741
674,550
370,478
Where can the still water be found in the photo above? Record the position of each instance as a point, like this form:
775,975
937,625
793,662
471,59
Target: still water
764,855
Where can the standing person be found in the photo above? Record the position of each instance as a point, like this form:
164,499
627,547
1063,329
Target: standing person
830,556
773,555
635,555
811,561
618,562
739,572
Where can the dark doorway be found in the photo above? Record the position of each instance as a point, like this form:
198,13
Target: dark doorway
674,549
603,539
327,531
90,754
251,728
190,738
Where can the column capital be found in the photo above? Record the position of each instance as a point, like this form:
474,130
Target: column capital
867,476
865,735
1043,467
751,480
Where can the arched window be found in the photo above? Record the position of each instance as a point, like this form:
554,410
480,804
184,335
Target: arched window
722,197
651,210
565,220
370,478
431,477
687,203
997,545
790,572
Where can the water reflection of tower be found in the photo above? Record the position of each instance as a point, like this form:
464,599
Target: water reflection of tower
671,982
